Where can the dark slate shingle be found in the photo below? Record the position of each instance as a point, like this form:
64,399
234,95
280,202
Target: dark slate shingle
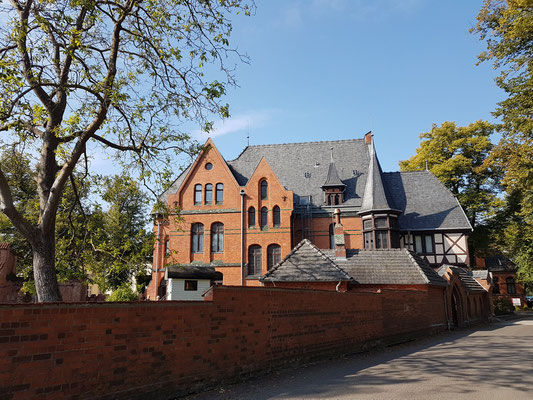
306,263
426,204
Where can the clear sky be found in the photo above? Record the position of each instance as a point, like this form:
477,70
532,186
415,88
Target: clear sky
334,69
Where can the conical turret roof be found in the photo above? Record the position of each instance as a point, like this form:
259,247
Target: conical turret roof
333,179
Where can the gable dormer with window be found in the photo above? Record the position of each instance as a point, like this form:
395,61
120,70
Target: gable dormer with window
333,188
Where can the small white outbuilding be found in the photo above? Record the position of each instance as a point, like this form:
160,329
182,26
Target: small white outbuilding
189,282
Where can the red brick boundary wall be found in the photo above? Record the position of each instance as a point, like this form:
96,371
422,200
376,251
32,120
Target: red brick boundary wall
169,348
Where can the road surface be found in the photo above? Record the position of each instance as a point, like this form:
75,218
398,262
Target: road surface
489,362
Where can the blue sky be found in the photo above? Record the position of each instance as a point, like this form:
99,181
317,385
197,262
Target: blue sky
327,70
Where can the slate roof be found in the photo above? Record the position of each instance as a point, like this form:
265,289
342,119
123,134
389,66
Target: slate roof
191,272
467,278
499,263
378,267
333,178
304,167
291,161
306,263
481,274
374,197
425,203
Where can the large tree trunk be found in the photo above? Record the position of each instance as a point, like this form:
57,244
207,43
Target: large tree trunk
44,270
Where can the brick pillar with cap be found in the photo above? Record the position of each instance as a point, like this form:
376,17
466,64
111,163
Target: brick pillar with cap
338,232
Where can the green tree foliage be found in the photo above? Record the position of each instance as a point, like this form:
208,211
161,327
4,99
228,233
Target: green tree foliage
122,248
120,76
507,29
457,156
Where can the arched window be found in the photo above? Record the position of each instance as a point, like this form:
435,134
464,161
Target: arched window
331,236
217,237
276,216
197,236
219,196
251,217
273,255
254,260
208,193
198,194
264,189
264,217
511,289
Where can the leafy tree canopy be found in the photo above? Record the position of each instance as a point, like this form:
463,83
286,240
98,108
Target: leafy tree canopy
507,28
89,75
457,156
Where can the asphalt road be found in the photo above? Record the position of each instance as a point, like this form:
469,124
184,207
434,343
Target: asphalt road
490,362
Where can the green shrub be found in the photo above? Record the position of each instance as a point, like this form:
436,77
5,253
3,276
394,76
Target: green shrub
503,306
123,293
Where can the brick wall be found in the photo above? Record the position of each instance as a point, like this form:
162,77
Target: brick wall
126,350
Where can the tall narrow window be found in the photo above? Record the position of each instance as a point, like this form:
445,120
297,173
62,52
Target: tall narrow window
217,237
198,194
273,255
254,260
251,217
369,240
276,216
264,189
382,240
197,236
208,193
167,248
219,196
264,217
495,285
511,289
331,236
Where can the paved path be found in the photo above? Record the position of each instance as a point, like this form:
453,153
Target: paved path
491,362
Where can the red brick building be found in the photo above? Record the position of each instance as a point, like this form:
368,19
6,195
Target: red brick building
244,216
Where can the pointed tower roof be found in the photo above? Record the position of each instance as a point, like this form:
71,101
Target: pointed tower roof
333,179
374,197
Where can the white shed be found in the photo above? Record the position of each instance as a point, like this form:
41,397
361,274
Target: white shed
189,282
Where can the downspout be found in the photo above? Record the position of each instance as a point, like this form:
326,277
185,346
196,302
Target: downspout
243,193
337,287
158,244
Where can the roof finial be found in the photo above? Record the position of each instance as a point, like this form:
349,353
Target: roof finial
331,149
248,140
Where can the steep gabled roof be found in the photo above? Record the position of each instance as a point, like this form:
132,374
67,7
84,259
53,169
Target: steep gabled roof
425,203
306,263
374,197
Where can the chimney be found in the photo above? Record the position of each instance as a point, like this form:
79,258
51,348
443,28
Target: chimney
338,232
368,138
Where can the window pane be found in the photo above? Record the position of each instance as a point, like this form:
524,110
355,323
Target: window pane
510,286
198,194
331,236
220,193
208,193
191,285
382,240
276,218
369,240
251,217
367,224
264,190
418,244
264,217
380,222
254,260
429,243
197,238
217,237
274,255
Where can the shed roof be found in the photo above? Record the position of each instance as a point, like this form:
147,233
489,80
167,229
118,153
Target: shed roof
191,272
467,278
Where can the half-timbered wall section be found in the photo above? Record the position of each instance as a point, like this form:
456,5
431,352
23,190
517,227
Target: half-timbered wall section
438,248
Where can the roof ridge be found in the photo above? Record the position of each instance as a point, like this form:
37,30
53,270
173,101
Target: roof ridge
415,263
297,143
